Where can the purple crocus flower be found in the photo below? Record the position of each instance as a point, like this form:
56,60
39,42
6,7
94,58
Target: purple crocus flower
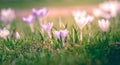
62,33
40,12
29,19
47,27
57,34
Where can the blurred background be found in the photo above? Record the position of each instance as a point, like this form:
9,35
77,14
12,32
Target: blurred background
26,4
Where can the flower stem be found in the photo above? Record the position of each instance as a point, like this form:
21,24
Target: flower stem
116,22
60,22
31,27
40,21
63,44
8,26
73,36
49,35
104,35
81,35
106,41
89,26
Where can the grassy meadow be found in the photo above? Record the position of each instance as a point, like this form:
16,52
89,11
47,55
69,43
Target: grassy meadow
38,49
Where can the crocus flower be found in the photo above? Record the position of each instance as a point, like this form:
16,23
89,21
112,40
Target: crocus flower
104,25
4,33
62,33
111,6
106,16
40,12
57,34
105,6
79,13
80,18
97,12
89,19
47,28
100,13
29,20
7,16
81,22
16,35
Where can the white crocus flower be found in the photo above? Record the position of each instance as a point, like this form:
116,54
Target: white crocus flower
89,19
106,16
112,7
97,12
4,33
105,6
7,16
100,13
104,25
81,22
79,13
17,35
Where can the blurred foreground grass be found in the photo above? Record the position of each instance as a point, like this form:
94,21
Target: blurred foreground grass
26,4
